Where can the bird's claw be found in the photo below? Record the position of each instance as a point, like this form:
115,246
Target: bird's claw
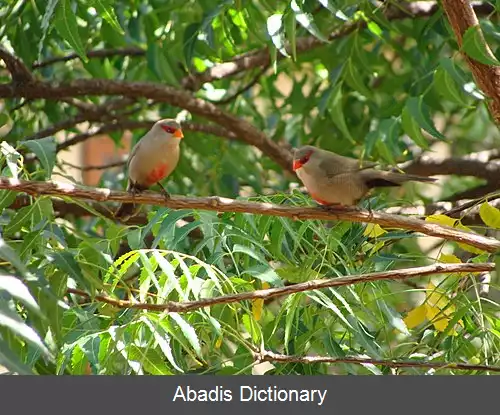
164,192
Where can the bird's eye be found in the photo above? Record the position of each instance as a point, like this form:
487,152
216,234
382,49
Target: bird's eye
168,129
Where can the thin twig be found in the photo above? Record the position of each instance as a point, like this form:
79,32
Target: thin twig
254,80
268,356
100,53
186,306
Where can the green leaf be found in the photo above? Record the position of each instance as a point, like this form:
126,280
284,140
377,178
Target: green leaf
9,255
10,320
12,362
475,46
65,23
189,42
172,280
306,20
188,332
353,79
45,23
106,10
446,86
66,262
411,127
12,158
16,288
150,359
327,4
275,30
419,111
337,113
291,33
163,339
45,150
490,215
159,65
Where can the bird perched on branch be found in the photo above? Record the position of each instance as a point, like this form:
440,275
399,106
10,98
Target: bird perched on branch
151,160
332,179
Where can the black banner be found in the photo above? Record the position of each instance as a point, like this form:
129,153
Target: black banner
246,394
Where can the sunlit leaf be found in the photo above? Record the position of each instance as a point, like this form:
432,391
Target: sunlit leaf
474,45
490,215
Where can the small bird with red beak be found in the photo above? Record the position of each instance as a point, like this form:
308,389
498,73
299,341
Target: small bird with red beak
332,179
151,160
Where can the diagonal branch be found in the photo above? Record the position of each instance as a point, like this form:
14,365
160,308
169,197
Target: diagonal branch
221,204
462,17
186,306
19,72
119,125
157,93
268,356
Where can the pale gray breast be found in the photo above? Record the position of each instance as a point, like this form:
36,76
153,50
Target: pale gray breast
150,152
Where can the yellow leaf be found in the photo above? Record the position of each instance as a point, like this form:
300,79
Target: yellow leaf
374,230
449,259
490,215
265,285
466,247
441,219
437,298
257,306
415,317
218,343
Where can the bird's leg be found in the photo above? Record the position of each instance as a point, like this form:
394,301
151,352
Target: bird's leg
164,191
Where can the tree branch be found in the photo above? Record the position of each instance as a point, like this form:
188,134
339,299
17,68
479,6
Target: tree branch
19,72
157,93
484,164
461,16
122,125
186,306
268,356
220,204
260,57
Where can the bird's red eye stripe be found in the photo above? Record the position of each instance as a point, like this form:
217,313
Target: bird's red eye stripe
168,129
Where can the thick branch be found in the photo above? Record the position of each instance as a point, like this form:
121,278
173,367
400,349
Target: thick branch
19,72
268,356
484,164
157,93
401,274
462,17
119,125
220,204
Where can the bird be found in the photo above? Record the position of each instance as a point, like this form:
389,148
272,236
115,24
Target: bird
335,180
151,160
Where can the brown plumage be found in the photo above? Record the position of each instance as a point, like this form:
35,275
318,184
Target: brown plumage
151,160
332,179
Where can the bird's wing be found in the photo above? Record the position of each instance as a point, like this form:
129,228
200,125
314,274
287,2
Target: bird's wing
336,164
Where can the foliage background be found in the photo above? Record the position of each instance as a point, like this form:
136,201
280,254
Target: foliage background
376,80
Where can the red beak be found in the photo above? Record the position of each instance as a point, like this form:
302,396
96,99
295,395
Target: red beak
178,133
296,165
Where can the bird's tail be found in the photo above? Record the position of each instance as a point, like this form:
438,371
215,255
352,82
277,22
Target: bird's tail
377,178
128,210
125,211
